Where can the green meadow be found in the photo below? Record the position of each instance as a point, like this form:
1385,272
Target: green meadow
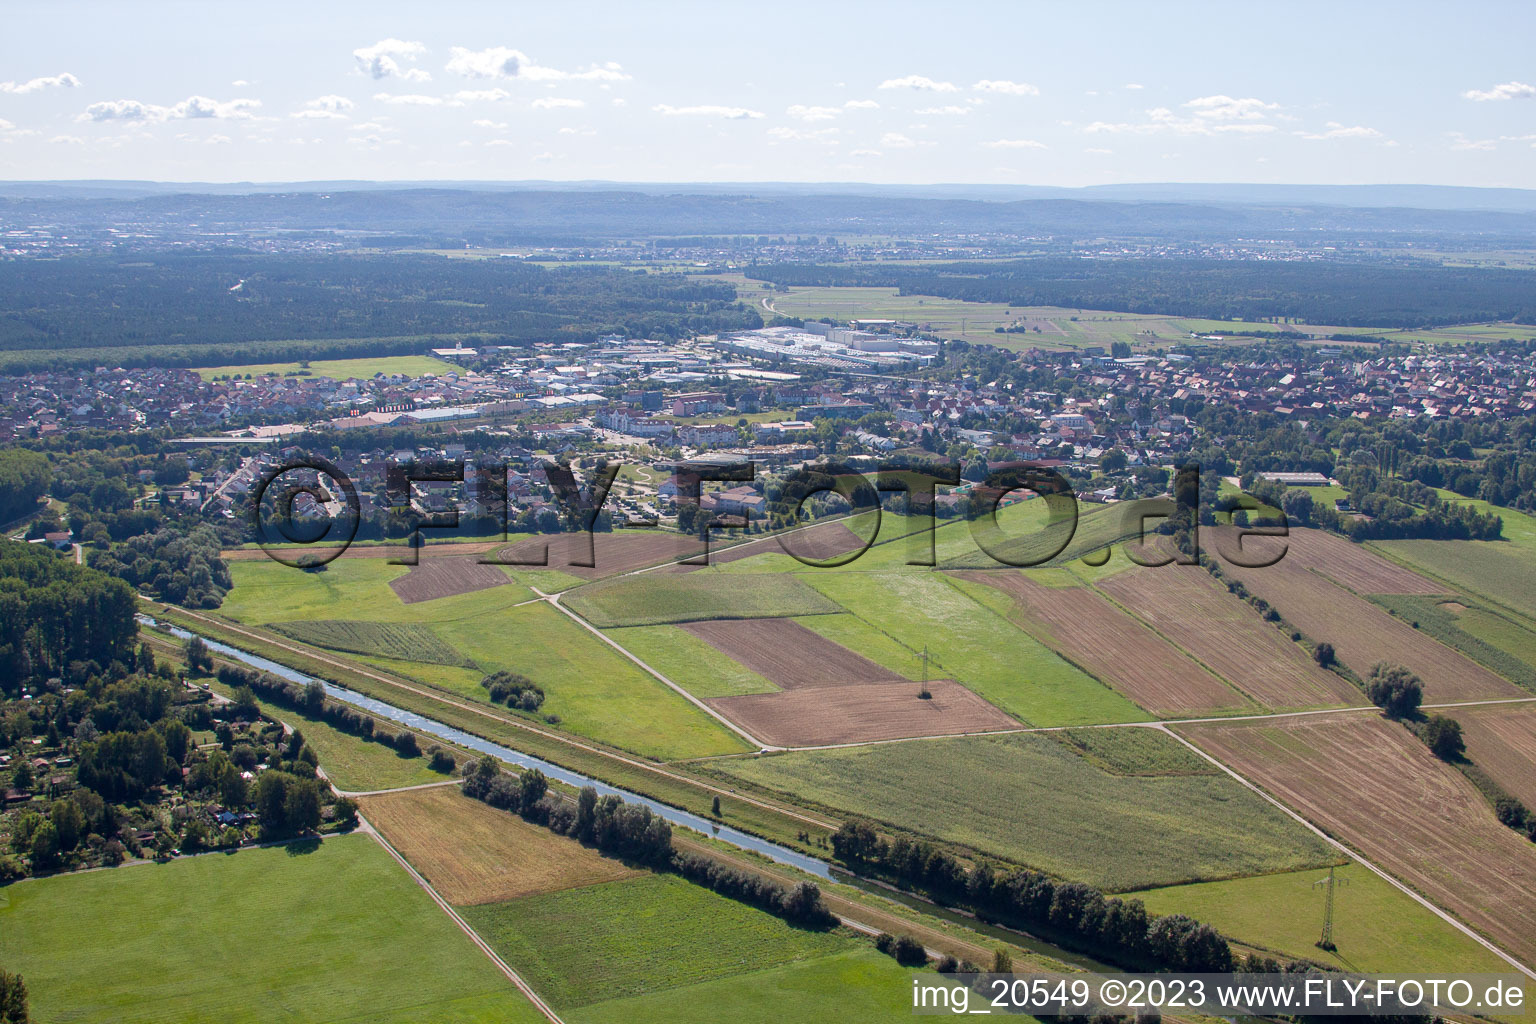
1376,927
639,936
594,689
339,369
1032,800
974,645
331,931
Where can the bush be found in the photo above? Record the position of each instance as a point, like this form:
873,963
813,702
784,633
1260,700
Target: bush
909,952
1443,735
1395,690
441,760
513,690
1323,654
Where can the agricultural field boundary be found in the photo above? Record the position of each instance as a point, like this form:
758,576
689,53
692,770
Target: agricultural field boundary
474,936
1356,855
554,599
324,658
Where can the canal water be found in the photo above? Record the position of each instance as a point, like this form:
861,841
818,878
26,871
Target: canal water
685,819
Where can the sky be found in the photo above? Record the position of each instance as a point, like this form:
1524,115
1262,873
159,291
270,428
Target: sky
1064,94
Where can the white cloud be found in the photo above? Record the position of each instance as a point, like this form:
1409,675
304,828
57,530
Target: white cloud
383,60
217,140
1133,86
191,108
866,152
1099,151
950,111
1226,108
895,140
481,95
822,135
1015,144
330,106
499,126
568,130
1212,115
556,103
63,80
67,140
1460,142
862,105
805,113
505,62
1507,91
409,99
707,110
239,83
1335,130
1006,88
920,82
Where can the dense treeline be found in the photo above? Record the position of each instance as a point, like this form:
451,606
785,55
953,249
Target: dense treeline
1077,914
24,477
185,569
54,613
633,833
311,700
227,300
1345,294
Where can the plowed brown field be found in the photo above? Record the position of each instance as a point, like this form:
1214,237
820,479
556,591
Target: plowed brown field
1122,652
1186,605
1353,565
433,578
787,654
1363,634
473,853
1501,740
1371,783
820,715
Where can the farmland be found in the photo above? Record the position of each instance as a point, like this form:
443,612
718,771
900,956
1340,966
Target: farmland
1502,742
1363,634
787,654
612,553
596,691
639,935
973,645
1195,612
1370,782
1500,571
1352,565
338,369
685,659
1083,626
1493,639
860,987
1377,928
862,712
1081,822
164,942
436,578
473,853
654,598
407,641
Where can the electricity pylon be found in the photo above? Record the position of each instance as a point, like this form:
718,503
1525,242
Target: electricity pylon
1329,884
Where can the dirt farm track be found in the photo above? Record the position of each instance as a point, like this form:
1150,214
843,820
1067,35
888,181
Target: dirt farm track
1372,784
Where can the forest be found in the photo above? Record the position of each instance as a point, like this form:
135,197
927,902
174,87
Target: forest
187,310
1332,292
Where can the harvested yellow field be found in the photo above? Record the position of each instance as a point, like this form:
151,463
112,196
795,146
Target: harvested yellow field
473,853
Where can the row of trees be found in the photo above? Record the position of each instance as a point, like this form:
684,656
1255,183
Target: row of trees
53,612
310,699
1077,914
632,832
